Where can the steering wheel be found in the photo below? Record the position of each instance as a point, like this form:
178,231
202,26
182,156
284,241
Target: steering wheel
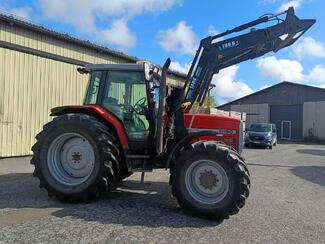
136,108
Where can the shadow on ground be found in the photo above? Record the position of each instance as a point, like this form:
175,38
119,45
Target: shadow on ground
271,165
149,204
315,152
314,174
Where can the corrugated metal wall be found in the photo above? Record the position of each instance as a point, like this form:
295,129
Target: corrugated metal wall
17,35
313,120
20,36
30,85
255,113
284,93
288,120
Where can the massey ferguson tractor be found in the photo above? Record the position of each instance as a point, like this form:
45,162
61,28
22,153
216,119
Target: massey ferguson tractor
132,121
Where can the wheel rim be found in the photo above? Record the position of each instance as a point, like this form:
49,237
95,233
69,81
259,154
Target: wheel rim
206,181
70,159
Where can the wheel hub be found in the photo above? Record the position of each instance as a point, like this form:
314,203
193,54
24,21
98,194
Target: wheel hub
208,179
76,157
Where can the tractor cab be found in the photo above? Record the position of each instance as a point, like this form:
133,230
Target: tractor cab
130,92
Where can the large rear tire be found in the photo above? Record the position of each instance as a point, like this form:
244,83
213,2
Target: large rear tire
76,158
210,180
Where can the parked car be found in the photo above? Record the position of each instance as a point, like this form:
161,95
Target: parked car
262,135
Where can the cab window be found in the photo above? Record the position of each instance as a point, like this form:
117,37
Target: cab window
126,97
93,88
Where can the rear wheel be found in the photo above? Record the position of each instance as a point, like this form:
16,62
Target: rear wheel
76,158
210,180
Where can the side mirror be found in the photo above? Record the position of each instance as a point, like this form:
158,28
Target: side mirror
82,70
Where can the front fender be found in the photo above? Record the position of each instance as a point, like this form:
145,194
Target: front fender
185,141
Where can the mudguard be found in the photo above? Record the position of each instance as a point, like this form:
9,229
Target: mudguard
98,112
186,140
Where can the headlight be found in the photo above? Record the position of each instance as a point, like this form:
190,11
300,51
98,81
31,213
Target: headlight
269,136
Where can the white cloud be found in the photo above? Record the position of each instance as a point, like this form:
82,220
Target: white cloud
293,3
182,68
180,39
281,69
291,70
118,33
264,87
227,88
308,47
22,12
83,15
212,30
317,75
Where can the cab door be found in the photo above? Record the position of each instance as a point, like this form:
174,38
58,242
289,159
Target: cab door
125,96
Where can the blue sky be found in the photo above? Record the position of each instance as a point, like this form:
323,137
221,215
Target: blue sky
157,29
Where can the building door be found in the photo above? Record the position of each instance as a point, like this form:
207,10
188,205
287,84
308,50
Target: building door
288,120
286,130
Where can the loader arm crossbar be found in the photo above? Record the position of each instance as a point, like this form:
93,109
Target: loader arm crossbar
215,54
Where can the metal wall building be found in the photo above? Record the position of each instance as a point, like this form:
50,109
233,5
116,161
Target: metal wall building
297,110
38,71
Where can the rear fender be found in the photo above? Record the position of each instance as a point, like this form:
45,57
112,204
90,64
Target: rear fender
98,112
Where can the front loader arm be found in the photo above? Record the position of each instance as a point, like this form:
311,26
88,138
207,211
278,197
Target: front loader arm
214,55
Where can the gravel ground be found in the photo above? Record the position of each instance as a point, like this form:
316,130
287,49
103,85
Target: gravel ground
286,205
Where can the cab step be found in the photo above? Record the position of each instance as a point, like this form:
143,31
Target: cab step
139,163
137,156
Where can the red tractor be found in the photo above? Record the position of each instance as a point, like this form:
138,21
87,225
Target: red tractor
132,121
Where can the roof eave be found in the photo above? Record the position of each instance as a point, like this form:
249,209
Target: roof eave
66,37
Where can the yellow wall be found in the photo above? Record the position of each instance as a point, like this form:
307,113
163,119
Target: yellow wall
30,85
27,38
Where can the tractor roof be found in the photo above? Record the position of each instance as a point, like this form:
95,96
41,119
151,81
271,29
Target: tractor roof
126,66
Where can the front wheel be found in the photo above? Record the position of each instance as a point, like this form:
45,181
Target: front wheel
209,180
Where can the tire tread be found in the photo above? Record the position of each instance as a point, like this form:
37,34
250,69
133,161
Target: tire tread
106,180
221,152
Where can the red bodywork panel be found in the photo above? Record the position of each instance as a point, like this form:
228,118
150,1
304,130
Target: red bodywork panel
227,128
110,119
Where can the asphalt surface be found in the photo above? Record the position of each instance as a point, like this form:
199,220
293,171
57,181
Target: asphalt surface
286,205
